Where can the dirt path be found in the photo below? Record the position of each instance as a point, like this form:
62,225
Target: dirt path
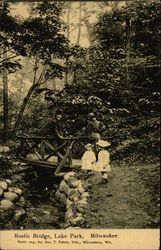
125,202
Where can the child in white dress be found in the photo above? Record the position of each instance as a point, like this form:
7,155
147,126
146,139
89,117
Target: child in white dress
88,158
103,163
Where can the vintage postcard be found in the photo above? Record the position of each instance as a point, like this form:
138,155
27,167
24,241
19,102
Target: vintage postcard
79,125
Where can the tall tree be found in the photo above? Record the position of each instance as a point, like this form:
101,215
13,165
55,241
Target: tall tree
44,42
10,50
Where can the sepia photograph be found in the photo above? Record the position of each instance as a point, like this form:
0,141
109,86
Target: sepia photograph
79,122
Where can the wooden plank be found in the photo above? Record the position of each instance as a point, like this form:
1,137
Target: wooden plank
41,163
62,163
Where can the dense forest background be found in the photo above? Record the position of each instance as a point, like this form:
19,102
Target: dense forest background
82,67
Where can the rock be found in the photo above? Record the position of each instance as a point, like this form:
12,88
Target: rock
83,201
15,190
73,195
10,196
79,220
32,157
63,199
1,149
53,159
19,214
19,177
71,192
74,183
1,192
81,205
34,219
16,163
69,214
76,197
57,195
80,208
63,187
6,149
46,212
3,185
68,176
68,203
81,189
84,195
6,204
23,164
21,201
9,182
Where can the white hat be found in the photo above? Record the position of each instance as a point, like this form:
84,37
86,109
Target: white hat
103,143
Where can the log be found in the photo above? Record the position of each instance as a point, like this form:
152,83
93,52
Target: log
64,160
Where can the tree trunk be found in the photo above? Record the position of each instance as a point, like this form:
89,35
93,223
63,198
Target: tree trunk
23,76
20,115
79,24
5,95
68,34
88,25
26,99
128,48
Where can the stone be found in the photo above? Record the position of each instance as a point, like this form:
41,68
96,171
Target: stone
53,159
79,220
18,191
68,176
81,205
69,214
34,219
21,201
68,203
6,149
46,212
84,195
75,197
71,192
66,190
63,199
19,214
63,187
9,182
74,183
10,196
1,192
83,201
1,149
80,208
6,204
3,185
81,189
32,157
57,195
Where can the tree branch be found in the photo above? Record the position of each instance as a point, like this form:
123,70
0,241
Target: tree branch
8,59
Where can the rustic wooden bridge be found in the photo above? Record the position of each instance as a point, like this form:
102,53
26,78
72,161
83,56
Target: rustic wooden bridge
36,151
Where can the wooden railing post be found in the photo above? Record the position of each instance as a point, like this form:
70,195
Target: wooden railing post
64,160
